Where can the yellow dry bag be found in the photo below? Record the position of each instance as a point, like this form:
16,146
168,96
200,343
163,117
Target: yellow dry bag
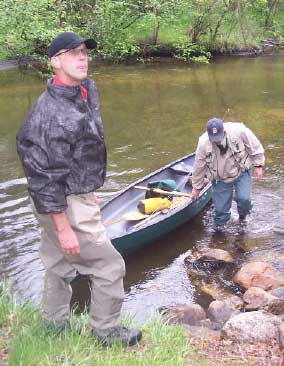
151,205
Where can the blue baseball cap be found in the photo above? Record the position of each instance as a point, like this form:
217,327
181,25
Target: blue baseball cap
215,129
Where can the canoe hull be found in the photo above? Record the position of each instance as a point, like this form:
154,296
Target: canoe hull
133,241
127,237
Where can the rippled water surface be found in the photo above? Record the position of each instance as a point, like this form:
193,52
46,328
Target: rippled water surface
154,114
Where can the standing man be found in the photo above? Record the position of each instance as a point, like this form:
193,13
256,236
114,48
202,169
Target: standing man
62,149
226,154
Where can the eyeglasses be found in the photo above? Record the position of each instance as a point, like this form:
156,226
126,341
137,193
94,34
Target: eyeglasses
75,52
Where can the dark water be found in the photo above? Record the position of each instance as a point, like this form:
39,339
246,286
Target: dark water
153,114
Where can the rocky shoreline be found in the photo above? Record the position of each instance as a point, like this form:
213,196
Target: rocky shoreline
254,317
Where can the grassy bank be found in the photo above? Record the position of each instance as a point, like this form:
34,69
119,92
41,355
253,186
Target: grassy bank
23,342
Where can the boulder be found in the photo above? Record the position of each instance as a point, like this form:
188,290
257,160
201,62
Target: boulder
281,335
256,298
259,274
201,332
254,326
278,292
192,314
219,311
275,307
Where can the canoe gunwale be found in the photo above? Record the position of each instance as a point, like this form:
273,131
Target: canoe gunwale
131,185
162,217
159,219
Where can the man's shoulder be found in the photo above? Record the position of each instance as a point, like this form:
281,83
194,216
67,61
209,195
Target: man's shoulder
234,127
39,111
42,100
204,139
89,84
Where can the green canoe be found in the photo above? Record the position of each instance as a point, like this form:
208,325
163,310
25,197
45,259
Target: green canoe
127,235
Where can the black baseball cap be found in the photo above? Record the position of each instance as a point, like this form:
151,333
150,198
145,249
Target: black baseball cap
68,41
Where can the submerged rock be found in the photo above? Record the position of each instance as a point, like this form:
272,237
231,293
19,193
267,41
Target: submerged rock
215,255
209,260
214,290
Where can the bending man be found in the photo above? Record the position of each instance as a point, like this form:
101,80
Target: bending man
226,154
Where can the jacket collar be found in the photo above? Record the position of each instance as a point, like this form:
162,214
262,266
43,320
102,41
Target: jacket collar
70,92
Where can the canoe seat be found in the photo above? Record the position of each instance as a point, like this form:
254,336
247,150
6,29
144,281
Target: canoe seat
182,168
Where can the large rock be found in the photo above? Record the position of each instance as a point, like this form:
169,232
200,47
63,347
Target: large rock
192,314
219,311
202,332
259,274
254,326
278,292
256,298
281,335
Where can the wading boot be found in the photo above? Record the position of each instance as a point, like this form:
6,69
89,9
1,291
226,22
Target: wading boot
219,229
56,328
243,220
119,335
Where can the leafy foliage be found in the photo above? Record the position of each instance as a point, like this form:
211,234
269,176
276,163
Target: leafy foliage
123,27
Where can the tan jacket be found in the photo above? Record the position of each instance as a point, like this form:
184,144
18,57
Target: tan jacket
244,151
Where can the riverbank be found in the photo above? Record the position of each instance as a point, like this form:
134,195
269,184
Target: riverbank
23,341
126,29
162,55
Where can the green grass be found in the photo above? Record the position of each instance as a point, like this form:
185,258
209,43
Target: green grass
22,333
231,35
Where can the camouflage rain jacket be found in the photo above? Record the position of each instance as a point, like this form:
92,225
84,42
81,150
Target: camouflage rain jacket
61,146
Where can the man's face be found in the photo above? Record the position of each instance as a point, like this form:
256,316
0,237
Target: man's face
219,142
71,66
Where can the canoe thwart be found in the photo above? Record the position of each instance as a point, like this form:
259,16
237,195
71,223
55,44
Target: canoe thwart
161,191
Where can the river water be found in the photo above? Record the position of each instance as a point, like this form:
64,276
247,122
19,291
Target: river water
153,114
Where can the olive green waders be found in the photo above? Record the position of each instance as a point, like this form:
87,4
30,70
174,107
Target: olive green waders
97,258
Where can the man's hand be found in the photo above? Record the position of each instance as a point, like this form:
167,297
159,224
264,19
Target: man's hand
97,199
258,172
68,241
66,236
195,193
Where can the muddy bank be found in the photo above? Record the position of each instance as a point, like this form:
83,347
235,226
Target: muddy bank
8,65
162,53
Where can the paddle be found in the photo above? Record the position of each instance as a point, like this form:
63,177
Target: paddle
150,217
161,191
130,216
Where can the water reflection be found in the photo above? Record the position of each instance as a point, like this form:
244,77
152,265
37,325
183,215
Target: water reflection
154,114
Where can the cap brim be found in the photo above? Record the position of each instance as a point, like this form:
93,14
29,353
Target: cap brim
217,137
90,43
